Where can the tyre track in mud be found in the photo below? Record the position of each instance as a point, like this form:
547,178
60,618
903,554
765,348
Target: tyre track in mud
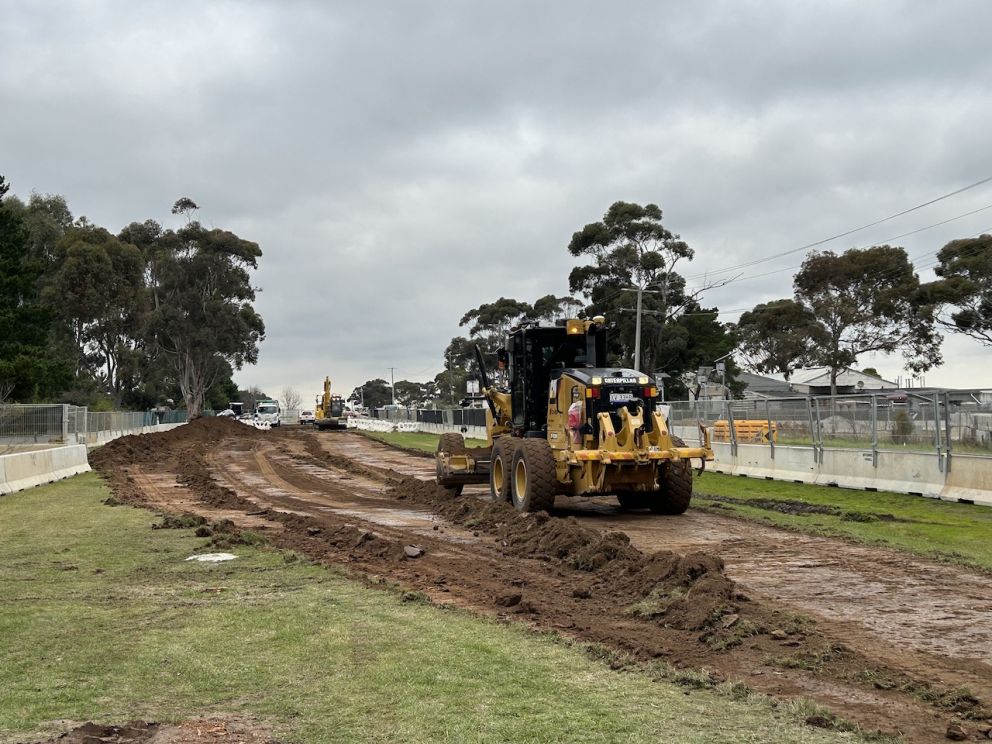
467,569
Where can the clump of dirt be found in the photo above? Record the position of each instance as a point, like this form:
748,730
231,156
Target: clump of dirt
95,733
351,539
690,591
201,731
184,521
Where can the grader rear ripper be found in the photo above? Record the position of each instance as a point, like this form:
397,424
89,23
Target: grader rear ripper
562,422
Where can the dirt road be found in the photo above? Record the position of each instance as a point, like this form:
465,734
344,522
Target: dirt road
889,641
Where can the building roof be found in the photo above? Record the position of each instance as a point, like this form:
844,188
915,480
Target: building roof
820,377
761,386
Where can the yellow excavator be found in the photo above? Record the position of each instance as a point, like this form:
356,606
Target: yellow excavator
560,420
329,409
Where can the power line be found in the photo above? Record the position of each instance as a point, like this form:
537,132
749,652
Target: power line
928,265
847,232
867,245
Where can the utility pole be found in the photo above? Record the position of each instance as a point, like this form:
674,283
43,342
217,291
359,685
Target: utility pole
637,331
451,380
640,289
392,386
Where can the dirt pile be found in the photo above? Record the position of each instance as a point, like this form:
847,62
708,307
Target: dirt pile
689,592
202,433
202,731
683,591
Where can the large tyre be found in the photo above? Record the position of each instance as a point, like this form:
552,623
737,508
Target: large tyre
534,481
451,444
501,469
674,484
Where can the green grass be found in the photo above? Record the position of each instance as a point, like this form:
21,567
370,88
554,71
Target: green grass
420,441
103,619
929,527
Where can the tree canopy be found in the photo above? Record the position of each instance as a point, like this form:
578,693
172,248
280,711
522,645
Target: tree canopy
964,287
28,368
631,248
136,319
204,319
372,393
864,300
779,336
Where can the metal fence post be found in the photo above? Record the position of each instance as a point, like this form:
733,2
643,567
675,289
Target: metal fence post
874,431
818,442
733,429
768,417
947,432
65,424
936,431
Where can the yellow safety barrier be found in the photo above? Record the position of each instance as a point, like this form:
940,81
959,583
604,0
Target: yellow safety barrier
754,431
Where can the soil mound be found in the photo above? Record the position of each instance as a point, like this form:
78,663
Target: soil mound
95,733
144,448
689,592
206,731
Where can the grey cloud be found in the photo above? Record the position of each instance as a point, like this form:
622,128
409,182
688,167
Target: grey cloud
401,163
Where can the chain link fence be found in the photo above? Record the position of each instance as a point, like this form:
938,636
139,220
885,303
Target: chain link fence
921,423
27,427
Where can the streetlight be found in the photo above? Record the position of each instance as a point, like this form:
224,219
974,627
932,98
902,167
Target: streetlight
722,369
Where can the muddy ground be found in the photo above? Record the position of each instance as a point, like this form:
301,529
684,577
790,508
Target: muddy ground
891,642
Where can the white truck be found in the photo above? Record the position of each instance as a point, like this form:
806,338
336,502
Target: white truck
268,411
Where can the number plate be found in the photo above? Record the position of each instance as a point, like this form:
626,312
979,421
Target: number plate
621,397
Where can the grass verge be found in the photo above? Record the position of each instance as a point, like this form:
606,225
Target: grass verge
103,619
927,527
415,441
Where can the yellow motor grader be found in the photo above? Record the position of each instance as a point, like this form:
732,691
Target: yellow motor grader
559,420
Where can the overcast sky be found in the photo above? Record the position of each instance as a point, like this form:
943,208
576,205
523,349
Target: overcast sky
400,163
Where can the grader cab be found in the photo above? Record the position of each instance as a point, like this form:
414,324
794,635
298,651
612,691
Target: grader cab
560,420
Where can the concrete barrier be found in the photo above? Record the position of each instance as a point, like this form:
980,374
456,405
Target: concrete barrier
757,461
28,469
902,472
917,473
471,432
969,478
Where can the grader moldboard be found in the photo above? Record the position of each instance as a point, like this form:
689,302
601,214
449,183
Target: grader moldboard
560,421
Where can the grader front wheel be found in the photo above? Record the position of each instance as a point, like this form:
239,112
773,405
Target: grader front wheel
534,481
675,488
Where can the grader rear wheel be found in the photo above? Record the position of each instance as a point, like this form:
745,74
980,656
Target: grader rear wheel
534,481
501,469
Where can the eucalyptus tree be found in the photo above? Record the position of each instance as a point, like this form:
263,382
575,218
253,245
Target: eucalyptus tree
964,288
204,321
631,277
845,305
